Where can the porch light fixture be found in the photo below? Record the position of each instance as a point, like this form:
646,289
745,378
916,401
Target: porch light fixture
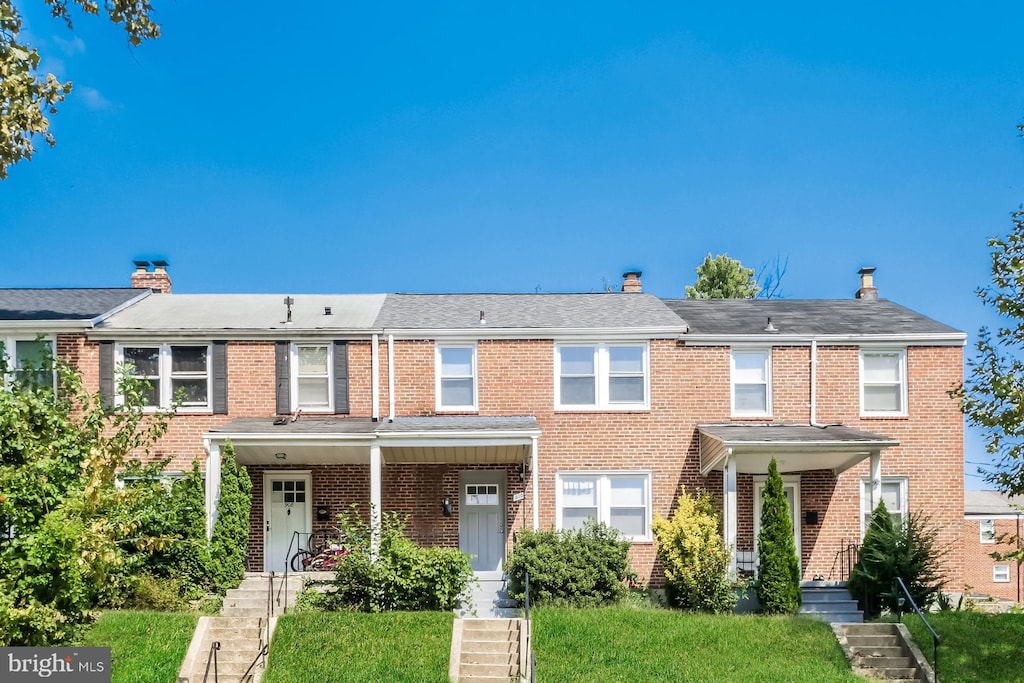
446,507
280,456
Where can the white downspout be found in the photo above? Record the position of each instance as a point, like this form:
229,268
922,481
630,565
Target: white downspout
814,384
535,471
375,378
391,377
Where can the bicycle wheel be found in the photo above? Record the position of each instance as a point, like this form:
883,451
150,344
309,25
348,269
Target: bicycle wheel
300,560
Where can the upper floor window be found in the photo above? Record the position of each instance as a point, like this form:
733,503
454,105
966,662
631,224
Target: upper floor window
894,495
987,530
601,376
169,373
619,499
883,382
456,377
30,360
312,377
751,382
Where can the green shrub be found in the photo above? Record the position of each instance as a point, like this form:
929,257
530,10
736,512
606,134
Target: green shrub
695,557
582,567
152,593
778,571
231,530
905,548
403,576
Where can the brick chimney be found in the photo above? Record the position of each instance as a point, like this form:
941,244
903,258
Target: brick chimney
157,279
867,284
631,281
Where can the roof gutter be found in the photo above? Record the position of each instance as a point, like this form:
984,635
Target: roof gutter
935,339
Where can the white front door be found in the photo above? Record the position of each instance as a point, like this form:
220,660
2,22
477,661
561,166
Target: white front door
482,521
286,510
791,485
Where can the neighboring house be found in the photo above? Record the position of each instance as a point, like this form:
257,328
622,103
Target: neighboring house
477,415
992,524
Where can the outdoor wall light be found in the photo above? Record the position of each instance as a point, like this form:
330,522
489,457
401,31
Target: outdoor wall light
446,507
811,517
280,456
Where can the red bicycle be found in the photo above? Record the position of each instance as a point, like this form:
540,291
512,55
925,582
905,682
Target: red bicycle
324,558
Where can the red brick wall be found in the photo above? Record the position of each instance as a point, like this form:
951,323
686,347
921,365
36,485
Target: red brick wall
978,564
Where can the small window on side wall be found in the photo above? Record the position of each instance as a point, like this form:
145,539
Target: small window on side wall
1001,573
987,529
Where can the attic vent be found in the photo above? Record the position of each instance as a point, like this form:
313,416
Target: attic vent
327,310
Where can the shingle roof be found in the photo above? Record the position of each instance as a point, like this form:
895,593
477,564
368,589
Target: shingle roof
63,304
991,503
526,311
254,312
803,317
791,434
458,424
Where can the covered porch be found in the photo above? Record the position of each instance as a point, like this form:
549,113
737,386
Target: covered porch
803,453
460,481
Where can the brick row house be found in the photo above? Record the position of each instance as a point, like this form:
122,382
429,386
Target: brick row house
478,415
992,524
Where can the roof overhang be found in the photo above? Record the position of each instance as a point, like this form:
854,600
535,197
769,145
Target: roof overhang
580,334
936,339
796,448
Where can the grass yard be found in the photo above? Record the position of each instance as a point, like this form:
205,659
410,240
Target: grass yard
651,645
145,647
976,647
350,647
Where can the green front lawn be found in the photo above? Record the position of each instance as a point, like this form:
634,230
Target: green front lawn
351,647
145,647
976,647
651,645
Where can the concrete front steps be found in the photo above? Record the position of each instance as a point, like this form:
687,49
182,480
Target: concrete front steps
488,651
883,651
489,599
246,623
830,602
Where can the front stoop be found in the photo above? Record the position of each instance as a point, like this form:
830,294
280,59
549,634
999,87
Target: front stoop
829,602
883,651
241,629
487,651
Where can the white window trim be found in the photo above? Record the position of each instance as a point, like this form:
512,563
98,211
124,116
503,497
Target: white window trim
9,351
602,376
767,382
998,569
293,377
983,538
865,514
164,370
603,488
901,352
442,408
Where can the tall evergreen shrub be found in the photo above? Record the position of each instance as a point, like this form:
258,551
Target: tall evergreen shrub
778,571
231,530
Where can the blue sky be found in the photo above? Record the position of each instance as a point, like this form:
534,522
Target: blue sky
428,147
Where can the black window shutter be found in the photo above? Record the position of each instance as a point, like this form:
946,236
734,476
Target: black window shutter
107,374
220,377
282,363
341,378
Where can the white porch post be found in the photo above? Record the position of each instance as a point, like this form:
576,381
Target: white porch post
534,471
375,498
212,484
729,499
876,479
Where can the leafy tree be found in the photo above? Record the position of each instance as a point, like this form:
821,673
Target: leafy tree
26,94
722,277
778,571
695,557
903,548
65,525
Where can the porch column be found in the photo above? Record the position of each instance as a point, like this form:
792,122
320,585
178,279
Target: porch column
729,499
876,479
212,485
534,471
375,498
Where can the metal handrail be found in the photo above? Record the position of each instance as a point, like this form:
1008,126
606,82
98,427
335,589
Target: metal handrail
845,559
529,632
936,640
212,657
294,542
248,676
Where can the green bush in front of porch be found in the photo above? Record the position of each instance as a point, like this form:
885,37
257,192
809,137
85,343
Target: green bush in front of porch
585,567
778,571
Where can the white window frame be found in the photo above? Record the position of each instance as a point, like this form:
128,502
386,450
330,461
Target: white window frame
901,355
866,509
766,353
439,376
602,377
603,484
294,377
10,344
1000,573
165,376
987,536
